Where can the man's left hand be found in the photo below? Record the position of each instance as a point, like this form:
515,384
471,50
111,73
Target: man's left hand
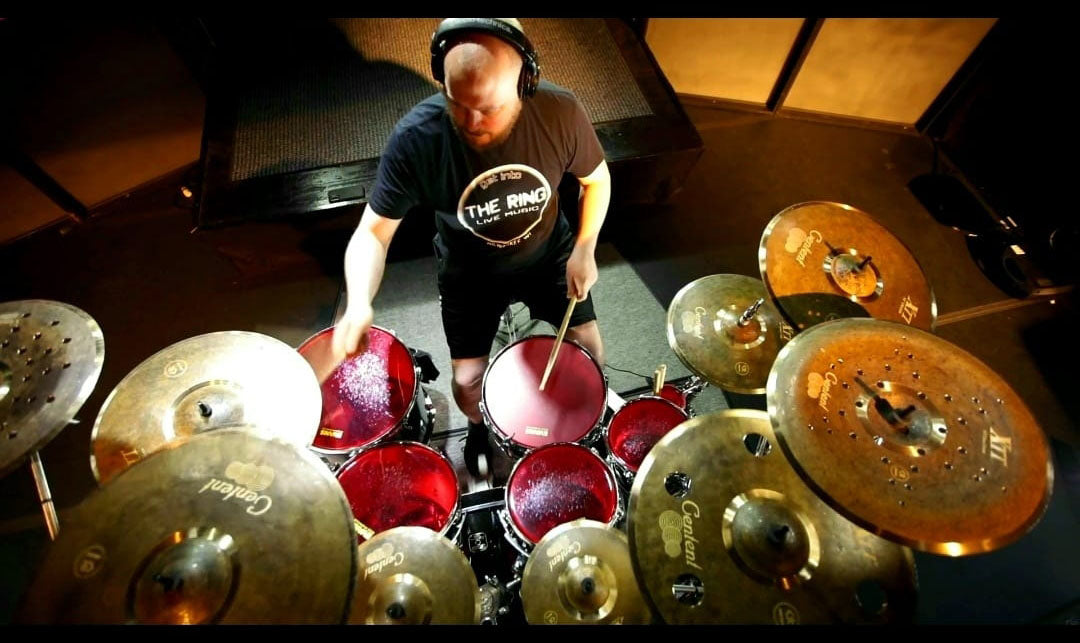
581,272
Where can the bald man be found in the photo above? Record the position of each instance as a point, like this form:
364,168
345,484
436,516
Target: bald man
489,164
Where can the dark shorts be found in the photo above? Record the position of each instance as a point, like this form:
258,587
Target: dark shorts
472,303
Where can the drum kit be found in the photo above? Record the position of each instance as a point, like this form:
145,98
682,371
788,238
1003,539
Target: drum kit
244,481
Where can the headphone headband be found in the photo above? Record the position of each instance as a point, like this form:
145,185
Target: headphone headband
452,29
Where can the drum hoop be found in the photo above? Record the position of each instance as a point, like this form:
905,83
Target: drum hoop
615,514
452,516
501,435
607,429
397,427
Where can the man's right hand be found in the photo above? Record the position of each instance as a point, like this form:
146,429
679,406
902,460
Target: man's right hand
351,332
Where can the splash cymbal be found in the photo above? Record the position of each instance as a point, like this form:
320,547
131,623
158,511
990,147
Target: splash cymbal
580,573
414,576
725,329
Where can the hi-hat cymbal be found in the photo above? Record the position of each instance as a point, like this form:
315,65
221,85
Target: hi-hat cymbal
580,573
722,530
910,436
203,383
51,354
718,329
227,527
414,576
824,261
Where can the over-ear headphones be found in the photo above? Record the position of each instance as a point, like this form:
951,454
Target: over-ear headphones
451,29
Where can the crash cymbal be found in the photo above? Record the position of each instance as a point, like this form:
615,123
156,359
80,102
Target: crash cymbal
722,530
824,261
725,329
910,436
227,527
51,354
580,573
206,382
414,576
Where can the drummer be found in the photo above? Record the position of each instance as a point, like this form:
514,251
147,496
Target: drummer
486,154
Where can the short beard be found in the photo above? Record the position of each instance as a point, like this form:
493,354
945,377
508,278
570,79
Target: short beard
495,142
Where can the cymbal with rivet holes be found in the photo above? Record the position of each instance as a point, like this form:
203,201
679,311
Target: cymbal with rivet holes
722,530
910,436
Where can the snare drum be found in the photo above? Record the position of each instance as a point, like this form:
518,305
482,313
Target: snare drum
553,485
521,416
369,398
636,428
398,484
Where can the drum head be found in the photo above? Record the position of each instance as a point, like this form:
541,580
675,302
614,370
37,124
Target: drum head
367,396
639,425
556,484
569,407
400,484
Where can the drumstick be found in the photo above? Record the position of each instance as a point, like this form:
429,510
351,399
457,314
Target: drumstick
658,379
558,342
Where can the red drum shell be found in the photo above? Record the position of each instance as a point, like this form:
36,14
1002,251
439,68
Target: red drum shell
674,395
570,406
400,484
368,396
637,427
556,484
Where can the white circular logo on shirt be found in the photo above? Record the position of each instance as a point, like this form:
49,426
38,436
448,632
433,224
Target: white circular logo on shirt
504,204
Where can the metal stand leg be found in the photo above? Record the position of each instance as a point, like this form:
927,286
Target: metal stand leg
52,521
508,321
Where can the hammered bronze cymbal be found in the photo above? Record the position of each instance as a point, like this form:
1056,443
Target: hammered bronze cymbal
824,261
580,573
722,530
203,383
724,329
910,436
227,527
414,576
51,354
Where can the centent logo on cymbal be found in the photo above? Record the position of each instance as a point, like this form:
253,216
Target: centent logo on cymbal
252,479
817,387
675,529
560,550
799,241
383,557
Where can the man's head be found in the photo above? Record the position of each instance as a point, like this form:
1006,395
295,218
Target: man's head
481,86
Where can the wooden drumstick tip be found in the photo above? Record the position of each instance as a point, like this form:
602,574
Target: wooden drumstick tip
558,342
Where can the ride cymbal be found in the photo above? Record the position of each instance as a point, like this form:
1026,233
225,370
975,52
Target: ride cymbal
910,436
227,527
207,382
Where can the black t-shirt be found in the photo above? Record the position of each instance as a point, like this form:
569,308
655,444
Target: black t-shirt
495,210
